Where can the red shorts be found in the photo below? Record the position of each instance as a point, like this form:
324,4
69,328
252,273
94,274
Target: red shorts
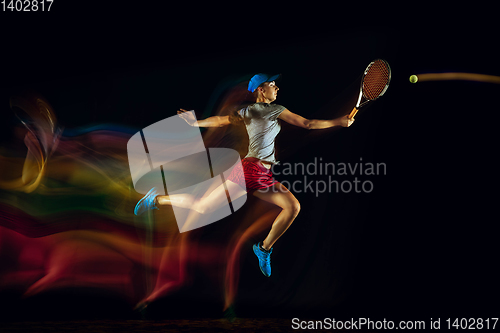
254,175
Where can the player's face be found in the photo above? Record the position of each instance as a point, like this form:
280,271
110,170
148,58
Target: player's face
270,91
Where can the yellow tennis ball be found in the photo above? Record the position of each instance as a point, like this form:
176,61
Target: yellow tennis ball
413,79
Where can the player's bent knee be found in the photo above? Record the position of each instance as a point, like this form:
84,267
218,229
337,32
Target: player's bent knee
200,208
204,208
294,208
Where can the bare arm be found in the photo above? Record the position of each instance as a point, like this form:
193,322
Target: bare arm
215,121
297,120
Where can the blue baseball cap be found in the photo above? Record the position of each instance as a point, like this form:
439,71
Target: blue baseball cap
258,79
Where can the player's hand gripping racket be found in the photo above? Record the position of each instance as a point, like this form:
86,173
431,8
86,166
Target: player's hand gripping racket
374,84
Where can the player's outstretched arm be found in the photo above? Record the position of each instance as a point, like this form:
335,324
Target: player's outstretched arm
297,120
215,121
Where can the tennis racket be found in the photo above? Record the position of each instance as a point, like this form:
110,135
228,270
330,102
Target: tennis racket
374,84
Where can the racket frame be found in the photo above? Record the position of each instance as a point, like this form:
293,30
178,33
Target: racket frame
360,105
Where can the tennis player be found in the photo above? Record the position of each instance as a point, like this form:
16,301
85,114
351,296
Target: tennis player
261,121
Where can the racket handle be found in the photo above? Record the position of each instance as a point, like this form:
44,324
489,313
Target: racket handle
353,112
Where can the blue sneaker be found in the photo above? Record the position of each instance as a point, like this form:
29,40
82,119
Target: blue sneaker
264,259
147,202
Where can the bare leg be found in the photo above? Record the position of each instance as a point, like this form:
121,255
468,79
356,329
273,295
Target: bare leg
282,197
206,204
179,200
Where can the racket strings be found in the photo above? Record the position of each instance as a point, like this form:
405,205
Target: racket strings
376,80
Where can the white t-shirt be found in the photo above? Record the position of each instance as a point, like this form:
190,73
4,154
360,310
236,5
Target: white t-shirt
261,121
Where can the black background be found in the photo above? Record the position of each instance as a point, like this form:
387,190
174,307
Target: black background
422,244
